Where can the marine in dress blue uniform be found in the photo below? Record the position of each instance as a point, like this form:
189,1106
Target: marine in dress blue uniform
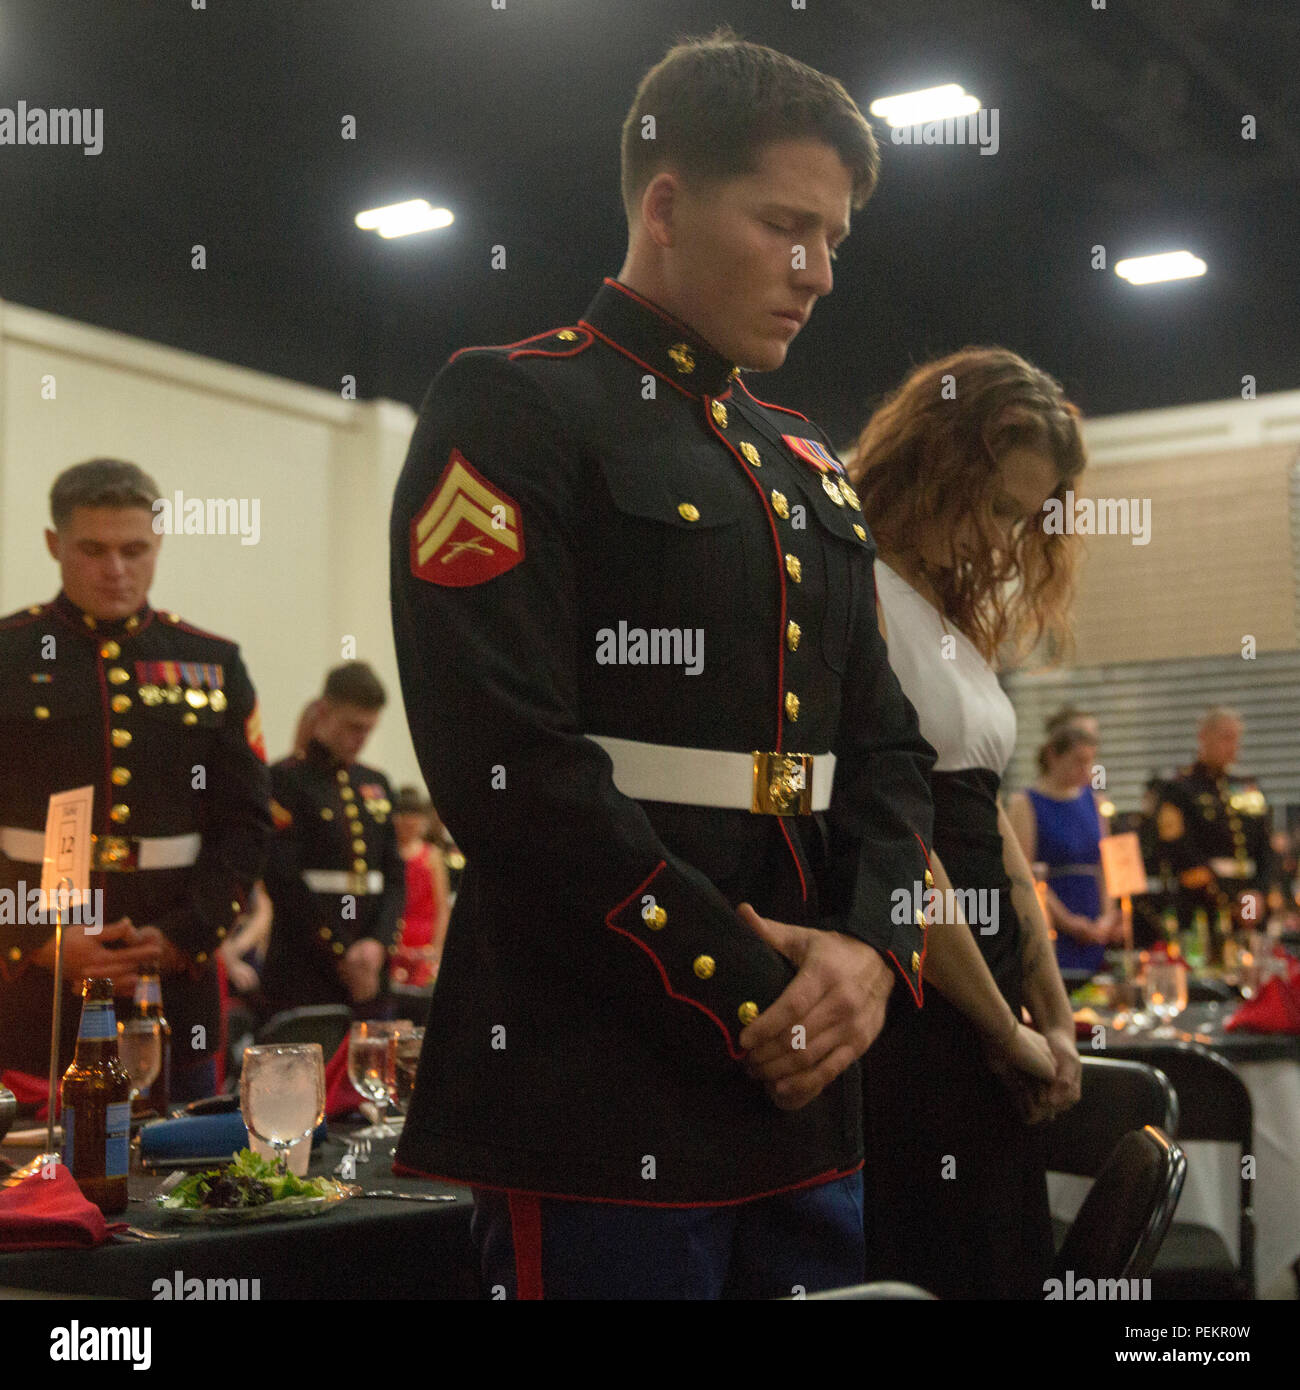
569,503
132,708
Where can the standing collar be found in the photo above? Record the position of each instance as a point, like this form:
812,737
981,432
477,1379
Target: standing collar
652,337
100,627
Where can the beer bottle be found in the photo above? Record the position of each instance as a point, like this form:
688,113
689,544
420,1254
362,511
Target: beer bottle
95,1099
148,1004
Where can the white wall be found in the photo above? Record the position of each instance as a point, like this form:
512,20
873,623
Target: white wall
321,469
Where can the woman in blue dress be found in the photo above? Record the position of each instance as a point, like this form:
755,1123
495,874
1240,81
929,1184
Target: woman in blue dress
1059,824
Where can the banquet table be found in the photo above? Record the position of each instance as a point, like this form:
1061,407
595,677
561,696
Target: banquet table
1269,1066
366,1248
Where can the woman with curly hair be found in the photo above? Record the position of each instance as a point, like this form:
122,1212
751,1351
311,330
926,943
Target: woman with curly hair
953,471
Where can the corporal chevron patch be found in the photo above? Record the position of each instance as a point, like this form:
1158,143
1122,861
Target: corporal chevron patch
468,531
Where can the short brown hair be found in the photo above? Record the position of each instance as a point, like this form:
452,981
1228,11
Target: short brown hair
929,456
717,101
100,483
354,683
1064,740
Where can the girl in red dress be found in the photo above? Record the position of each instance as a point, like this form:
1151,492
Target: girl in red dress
428,894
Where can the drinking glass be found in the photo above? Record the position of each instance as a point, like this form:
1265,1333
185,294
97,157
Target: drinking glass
1165,988
371,1068
139,1046
282,1094
406,1061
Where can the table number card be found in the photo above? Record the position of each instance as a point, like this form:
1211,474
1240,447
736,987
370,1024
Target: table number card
67,851
1121,862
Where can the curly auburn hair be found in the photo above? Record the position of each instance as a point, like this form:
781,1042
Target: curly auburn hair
928,457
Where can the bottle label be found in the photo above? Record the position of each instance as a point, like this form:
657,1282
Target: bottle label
98,1021
117,1123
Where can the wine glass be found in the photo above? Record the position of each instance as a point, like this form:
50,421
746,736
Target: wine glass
139,1046
371,1065
1165,988
282,1094
406,1061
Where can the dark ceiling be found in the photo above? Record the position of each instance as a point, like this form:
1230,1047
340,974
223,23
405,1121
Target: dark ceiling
1119,126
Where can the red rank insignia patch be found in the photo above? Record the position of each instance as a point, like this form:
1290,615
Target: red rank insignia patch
468,531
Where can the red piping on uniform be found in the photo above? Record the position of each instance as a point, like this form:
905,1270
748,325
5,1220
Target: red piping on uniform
526,1236
632,357
518,343
404,1170
785,408
108,750
540,352
732,1052
780,574
803,887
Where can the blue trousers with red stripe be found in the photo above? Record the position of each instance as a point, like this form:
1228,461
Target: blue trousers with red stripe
774,1247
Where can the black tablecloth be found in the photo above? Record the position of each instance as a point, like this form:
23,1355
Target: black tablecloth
1203,1023
365,1248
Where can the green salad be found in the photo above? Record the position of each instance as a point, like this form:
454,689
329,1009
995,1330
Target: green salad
248,1181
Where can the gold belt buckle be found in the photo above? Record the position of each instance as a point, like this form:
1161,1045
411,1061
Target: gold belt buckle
782,784
114,853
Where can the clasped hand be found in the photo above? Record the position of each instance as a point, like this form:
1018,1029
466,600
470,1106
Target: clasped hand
824,1019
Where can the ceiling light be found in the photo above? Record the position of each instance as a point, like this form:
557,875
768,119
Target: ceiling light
401,219
932,104
1169,265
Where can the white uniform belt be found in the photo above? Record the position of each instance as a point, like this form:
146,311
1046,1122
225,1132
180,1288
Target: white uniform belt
110,851
342,881
1233,868
701,776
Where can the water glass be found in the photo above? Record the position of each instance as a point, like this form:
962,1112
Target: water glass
282,1094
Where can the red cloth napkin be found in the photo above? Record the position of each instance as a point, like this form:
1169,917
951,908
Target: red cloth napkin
1275,1009
341,1097
50,1214
29,1090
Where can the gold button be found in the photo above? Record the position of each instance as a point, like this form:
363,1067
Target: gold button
132,623
120,776
779,504
359,846
110,651
41,712
687,511
173,617
120,703
120,812
793,568
916,961
15,953
338,948
346,793
120,738
351,811
88,620
792,634
360,865
751,454
235,907
189,717
920,919
859,532
566,335
747,1012
656,919
704,967
342,774
325,933
201,957
929,879
719,413
118,675
791,705
35,608
326,813
221,933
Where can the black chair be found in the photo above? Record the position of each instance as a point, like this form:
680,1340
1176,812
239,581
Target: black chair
1214,1105
1123,1220
326,1024
1117,1096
